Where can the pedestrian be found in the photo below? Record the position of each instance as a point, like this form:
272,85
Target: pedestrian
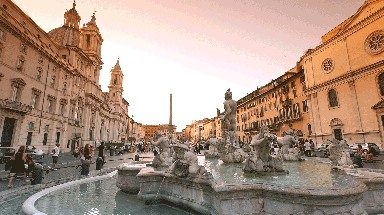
55,156
76,152
18,165
307,146
101,151
86,152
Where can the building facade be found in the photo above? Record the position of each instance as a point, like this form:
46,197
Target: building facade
50,90
344,79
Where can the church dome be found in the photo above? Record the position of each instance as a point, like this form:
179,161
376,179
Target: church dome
65,35
69,33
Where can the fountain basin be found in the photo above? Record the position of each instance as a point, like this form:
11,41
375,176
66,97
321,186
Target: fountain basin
126,179
217,197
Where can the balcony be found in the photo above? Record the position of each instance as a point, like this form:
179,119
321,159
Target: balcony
15,106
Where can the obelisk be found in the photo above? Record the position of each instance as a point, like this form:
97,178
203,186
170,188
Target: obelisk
170,115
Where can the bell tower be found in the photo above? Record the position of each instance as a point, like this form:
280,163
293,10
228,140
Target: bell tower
116,84
90,39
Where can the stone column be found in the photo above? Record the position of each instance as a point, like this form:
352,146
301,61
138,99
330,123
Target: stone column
316,114
355,105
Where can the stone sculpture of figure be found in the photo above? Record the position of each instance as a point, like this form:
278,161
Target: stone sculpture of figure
213,144
339,154
287,152
186,163
229,115
260,160
164,157
218,112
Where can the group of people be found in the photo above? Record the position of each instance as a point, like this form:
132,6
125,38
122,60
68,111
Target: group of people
305,147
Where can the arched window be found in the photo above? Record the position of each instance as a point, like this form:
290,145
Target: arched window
332,96
381,83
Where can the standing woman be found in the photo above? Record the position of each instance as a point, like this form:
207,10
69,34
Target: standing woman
87,152
18,165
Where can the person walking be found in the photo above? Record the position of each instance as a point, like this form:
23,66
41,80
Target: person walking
18,165
76,152
55,156
101,151
86,152
307,146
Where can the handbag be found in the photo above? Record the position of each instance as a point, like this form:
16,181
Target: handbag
9,165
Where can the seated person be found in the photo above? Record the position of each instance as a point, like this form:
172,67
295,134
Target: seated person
359,150
371,152
30,161
326,152
357,157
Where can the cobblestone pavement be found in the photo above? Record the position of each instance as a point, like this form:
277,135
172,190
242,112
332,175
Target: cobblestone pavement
68,166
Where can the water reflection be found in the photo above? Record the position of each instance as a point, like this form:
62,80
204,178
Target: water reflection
100,197
304,174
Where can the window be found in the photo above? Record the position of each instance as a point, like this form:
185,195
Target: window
302,79
16,94
57,137
31,126
293,84
294,94
2,34
64,56
296,110
332,96
62,109
65,77
64,88
40,59
46,129
54,69
20,64
38,77
29,139
45,139
381,84
88,40
53,82
23,48
305,106
72,112
50,104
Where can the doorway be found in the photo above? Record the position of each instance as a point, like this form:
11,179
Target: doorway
6,137
338,134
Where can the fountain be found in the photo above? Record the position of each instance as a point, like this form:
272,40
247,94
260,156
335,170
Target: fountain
212,151
164,157
259,160
287,152
228,147
339,154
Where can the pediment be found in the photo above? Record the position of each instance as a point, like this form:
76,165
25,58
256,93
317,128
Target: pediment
368,8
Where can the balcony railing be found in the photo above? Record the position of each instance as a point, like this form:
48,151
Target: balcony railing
15,106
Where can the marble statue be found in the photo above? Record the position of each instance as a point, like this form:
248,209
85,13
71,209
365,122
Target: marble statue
212,152
339,154
164,157
186,163
260,160
287,152
228,147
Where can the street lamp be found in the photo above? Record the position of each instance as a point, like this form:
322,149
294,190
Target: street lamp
132,128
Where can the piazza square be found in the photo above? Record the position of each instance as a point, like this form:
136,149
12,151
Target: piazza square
206,107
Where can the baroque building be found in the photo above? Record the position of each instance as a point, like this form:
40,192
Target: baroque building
50,90
344,79
281,105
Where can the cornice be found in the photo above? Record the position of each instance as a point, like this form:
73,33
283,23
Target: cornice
366,21
350,76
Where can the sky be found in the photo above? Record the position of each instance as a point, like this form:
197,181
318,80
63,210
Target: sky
197,49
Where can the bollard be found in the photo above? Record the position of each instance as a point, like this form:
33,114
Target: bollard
99,163
85,167
37,174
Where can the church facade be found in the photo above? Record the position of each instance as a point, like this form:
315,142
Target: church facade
49,84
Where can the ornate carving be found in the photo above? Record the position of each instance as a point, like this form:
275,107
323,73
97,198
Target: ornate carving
374,44
327,65
336,122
